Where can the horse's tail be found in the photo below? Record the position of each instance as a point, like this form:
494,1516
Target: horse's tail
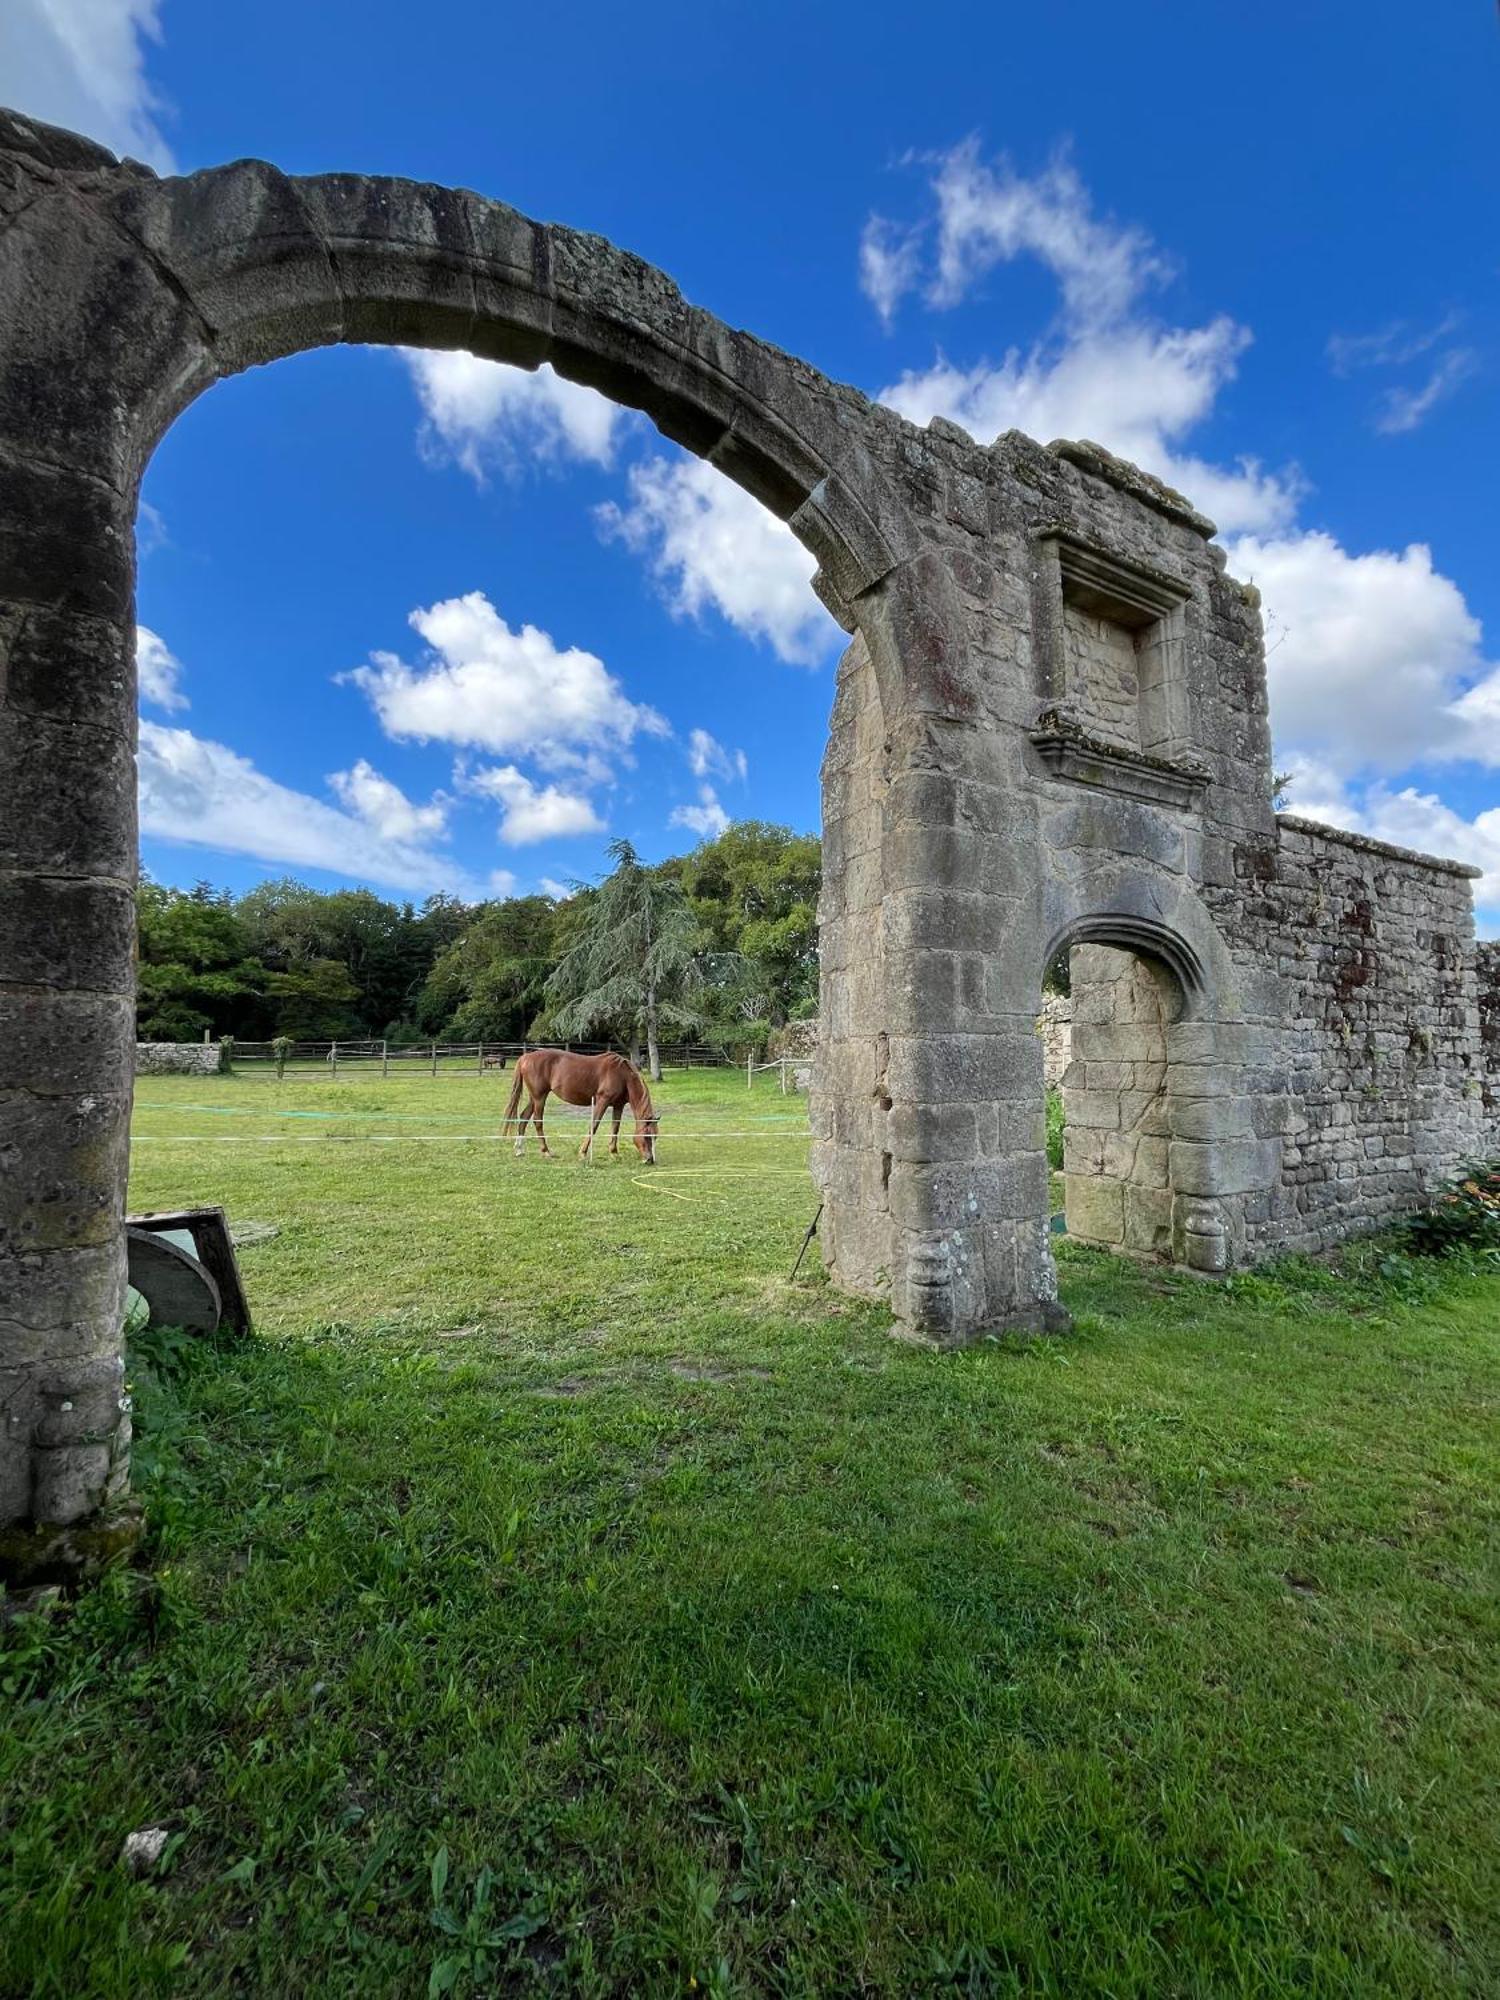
515,1101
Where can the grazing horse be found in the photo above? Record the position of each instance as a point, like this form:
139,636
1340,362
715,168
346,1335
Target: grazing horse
604,1083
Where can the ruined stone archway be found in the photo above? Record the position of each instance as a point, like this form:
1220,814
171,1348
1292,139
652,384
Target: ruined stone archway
1053,702
1159,1151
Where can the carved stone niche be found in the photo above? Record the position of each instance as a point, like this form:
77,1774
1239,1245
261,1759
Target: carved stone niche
1111,673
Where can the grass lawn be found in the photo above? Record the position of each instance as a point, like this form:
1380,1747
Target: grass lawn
553,1598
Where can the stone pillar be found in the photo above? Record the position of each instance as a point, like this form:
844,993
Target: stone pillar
850,1100
949,1190
67,1032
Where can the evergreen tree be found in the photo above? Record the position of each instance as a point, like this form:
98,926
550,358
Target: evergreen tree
635,965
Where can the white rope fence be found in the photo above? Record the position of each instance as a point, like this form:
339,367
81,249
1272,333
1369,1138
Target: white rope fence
343,1059
795,1072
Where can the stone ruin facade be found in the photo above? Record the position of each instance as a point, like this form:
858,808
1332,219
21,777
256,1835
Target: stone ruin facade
1049,732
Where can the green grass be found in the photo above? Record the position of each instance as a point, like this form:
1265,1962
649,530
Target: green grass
554,1597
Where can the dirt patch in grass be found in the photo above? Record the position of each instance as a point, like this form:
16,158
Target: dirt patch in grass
714,1371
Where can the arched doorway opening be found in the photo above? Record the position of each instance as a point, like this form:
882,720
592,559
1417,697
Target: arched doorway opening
126,298
513,682
1116,1104
1135,1005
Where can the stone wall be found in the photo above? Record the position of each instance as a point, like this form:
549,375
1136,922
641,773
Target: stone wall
797,1038
1366,1072
1104,676
1487,982
1055,1027
178,1058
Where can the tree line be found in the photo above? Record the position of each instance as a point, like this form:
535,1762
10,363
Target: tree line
719,945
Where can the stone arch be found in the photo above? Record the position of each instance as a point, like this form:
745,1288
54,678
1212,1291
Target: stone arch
267,265
1142,936
123,298
1161,1150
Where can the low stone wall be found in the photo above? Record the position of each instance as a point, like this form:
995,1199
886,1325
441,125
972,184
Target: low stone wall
1369,1076
797,1038
178,1058
1487,981
1055,1026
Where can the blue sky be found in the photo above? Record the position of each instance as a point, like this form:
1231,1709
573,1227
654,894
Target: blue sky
424,623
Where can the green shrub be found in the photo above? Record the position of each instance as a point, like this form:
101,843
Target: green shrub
1463,1216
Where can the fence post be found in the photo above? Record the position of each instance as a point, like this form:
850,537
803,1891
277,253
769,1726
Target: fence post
750,1070
783,1076
385,1058
480,1064
434,1058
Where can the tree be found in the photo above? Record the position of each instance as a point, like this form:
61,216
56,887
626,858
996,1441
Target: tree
313,1000
635,964
489,984
754,891
196,967
386,949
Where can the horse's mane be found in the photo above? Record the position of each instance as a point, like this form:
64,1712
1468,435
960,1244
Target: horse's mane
640,1096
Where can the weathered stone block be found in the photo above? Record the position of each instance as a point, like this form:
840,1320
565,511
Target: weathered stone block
1095,1209
1148,1220
1229,1166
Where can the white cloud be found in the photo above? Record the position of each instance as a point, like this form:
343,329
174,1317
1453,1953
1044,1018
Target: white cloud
1136,390
1407,818
1389,346
990,214
158,670
558,891
708,817
385,807
1373,661
708,758
150,530
502,882
532,812
513,693
711,546
889,264
82,63
206,795
1105,372
484,414
1403,410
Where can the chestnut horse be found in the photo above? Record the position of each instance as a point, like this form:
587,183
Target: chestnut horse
604,1083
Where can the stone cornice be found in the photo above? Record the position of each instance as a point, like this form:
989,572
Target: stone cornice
1069,751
